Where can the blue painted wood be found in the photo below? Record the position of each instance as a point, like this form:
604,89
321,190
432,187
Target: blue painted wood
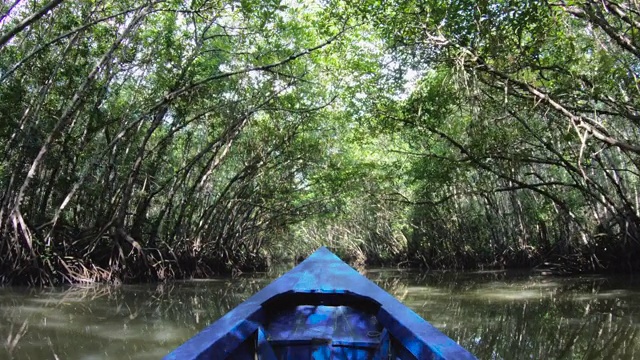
264,349
320,351
321,280
339,352
384,349
293,352
340,325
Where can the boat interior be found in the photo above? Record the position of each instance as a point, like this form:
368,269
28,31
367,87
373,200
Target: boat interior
321,326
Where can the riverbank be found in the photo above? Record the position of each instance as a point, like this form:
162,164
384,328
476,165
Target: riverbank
128,263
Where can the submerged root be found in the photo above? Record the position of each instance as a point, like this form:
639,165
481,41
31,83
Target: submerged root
14,338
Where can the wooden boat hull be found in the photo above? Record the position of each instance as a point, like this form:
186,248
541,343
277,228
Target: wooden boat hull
321,309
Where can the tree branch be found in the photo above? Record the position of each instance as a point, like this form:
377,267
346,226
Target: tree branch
28,21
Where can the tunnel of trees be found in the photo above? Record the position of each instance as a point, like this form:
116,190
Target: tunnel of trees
144,140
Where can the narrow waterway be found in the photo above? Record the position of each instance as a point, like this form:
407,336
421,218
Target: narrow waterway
497,315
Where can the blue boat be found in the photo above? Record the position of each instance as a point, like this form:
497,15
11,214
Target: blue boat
321,309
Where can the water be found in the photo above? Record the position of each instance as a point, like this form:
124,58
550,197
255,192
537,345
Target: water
496,315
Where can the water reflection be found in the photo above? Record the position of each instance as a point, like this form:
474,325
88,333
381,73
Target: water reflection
496,315
523,316
141,322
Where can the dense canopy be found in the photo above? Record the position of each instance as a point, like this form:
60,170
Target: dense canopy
148,140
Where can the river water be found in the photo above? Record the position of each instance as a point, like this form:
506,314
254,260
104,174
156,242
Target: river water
496,315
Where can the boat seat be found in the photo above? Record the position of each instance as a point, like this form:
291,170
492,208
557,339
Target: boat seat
322,332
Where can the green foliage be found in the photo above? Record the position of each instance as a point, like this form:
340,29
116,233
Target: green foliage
149,140
522,125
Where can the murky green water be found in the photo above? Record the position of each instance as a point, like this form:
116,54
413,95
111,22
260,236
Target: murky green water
495,315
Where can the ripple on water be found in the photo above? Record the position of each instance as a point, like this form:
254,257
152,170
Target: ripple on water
486,311
611,294
510,294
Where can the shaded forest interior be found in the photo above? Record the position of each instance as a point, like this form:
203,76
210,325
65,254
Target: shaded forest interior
158,139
